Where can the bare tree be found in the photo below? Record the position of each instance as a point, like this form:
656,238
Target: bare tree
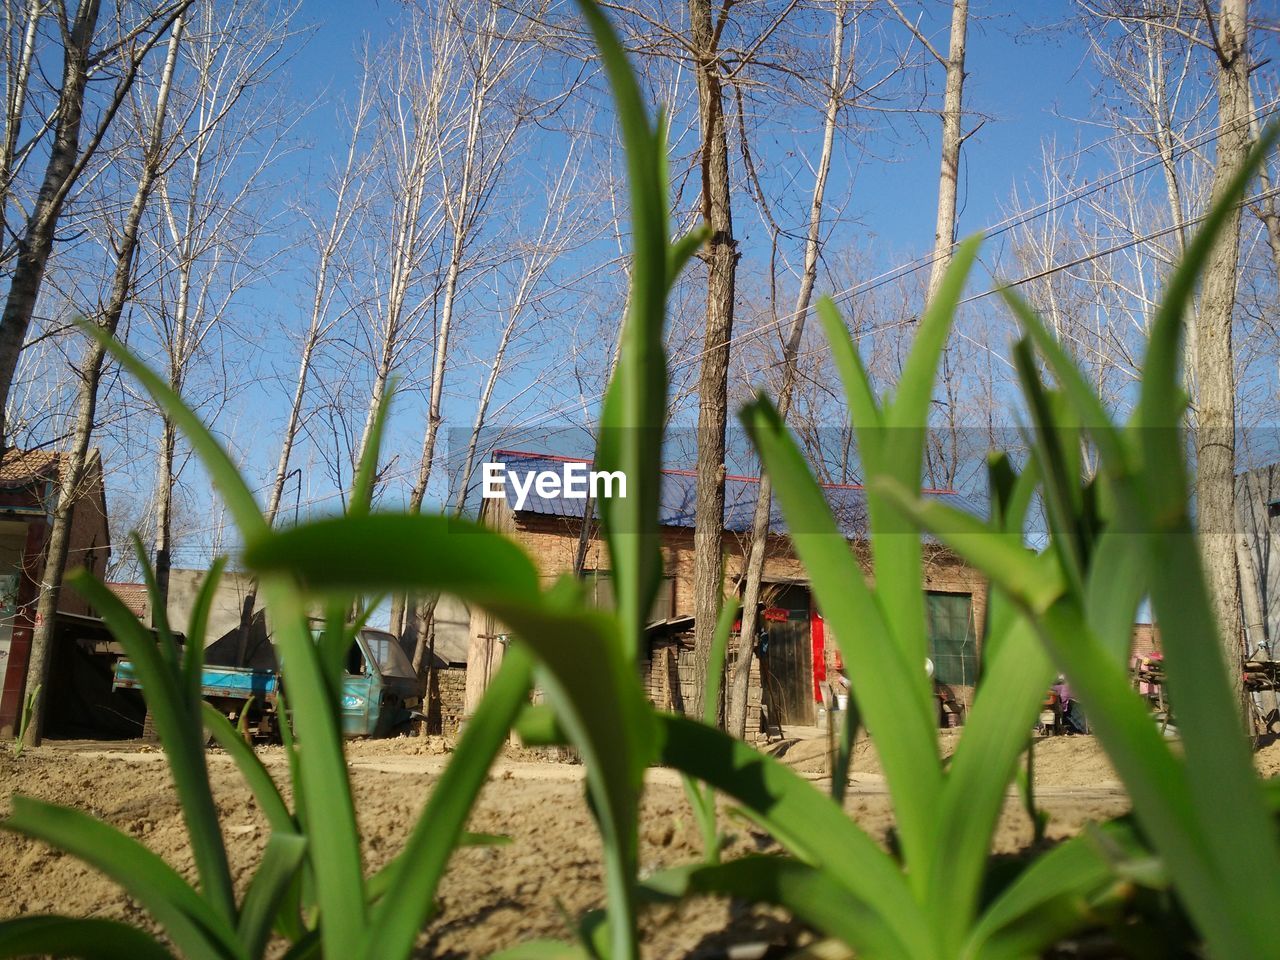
1155,61
67,155
404,217
21,21
944,452
212,217
488,76
71,465
837,90
721,257
1215,366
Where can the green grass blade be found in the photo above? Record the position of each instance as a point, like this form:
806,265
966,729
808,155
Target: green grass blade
195,926
336,638
810,895
914,395
198,626
411,885
1049,899
77,937
630,438
1160,401
308,948
1006,706
1158,784
1117,582
703,801
683,250
1156,781
1093,415
1034,579
849,724
864,408
587,678
178,723
284,715
884,681
895,544
715,669
256,777
1054,442
164,639
278,871
367,470
322,790
356,554
1225,789
805,821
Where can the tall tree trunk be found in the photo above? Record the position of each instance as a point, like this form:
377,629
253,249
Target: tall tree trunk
944,234
1216,380
713,382
185,241
36,243
164,514
463,209
72,463
740,681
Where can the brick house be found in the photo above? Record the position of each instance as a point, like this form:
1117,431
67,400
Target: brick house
799,655
28,491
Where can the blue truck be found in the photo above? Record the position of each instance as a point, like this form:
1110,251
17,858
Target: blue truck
381,693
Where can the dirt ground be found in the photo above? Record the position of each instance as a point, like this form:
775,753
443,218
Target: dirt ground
492,897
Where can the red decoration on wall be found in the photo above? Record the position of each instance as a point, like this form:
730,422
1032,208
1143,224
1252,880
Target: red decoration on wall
817,632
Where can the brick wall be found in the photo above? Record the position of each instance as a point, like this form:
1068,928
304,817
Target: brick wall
552,542
668,676
89,543
1146,639
448,695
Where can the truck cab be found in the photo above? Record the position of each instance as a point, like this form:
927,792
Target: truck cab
381,692
380,689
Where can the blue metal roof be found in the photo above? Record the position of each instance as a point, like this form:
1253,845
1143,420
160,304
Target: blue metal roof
848,502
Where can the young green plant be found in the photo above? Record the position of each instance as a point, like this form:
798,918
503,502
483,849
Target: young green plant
1123,534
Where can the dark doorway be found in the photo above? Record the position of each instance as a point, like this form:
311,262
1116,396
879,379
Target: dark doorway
789,678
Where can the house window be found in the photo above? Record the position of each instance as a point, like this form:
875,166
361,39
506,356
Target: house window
600,592
953,643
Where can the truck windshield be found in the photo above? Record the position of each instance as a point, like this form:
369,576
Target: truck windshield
387,654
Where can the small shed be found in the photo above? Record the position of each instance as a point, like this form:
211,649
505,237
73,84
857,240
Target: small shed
29,485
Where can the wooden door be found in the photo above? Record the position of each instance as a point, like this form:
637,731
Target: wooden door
789,688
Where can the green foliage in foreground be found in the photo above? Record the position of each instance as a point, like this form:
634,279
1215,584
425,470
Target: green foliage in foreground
1115,538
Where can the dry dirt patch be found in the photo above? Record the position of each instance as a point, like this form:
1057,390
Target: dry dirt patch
492,896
